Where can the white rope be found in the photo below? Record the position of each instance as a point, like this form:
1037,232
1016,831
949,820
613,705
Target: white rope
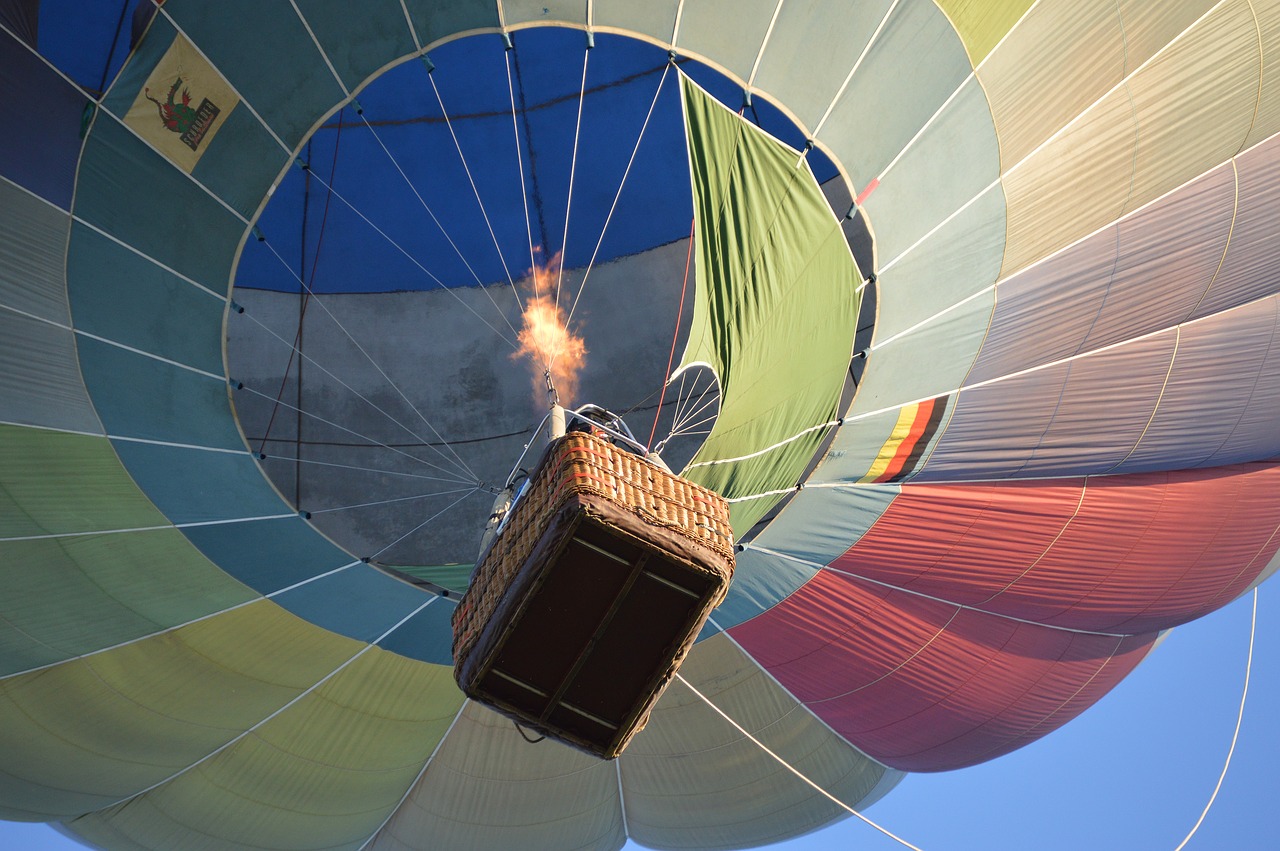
573,168
389,501
796,771
524,193
424,522
1235,737
291,460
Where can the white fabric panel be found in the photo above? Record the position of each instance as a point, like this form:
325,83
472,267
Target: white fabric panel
691,780
1195,102
1035,91
1254,434
486,787
33,249
1216,373
1074,418
539,11
1267,122
1146,273
1249,268
915,64
729,40
654,18
953,162
797,68
40,381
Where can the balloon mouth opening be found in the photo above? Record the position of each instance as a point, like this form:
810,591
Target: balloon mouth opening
386,384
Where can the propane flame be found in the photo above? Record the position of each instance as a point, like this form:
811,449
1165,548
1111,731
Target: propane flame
546,340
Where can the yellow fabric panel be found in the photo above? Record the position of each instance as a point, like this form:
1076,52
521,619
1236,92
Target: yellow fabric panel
691,780
35,466
90,732
1184,113
325,773
63,597
488,788
1060,59
982,23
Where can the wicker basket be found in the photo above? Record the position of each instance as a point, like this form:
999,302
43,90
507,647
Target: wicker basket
582,610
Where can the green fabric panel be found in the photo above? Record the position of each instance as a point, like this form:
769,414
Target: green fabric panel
435,20
126,298
64,597
40,381
135,194
326,773
90,732
52,483
359,40
455,577
264,51
982,23
775,305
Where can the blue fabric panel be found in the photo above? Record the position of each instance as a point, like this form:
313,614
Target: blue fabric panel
359,44
434,20
138,396
121,296
88,41
760,582
268,555
39,124
241,161
21,18
268,57
130,191
428,636
195,486
360,603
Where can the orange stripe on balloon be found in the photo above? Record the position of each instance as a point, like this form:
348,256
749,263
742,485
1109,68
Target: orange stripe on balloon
918,427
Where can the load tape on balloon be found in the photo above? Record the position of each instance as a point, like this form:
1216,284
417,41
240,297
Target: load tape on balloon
581,612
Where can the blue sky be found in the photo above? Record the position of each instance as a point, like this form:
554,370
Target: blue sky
1134,772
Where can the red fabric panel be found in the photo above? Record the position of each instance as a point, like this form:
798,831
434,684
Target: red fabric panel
1142,552
925,686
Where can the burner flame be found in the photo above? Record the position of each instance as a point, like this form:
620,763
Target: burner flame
553,352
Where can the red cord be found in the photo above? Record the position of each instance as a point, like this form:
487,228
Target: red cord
674,336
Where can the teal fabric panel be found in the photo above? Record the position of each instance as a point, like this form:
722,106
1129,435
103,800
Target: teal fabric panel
360,603
820,524
760,581
428,636
359,40
196,486
268,555
138,396
434,20
126,298
135,194
264,51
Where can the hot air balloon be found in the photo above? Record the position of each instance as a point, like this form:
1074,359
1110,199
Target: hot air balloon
966,309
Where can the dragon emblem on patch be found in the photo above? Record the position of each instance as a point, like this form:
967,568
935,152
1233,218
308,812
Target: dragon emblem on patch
178,116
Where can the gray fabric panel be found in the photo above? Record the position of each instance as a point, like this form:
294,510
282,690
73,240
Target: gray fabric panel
359,39
1143,274
434,20
33,245
516,12
1074,418
731,41
1220,378
961,259
813,46
265,53
40,381
914,66
486,787
1248,271
654,18
951,164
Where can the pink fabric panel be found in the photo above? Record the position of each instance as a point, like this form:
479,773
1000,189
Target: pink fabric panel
924,686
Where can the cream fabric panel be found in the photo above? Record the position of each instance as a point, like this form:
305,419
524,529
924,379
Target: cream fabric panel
692,780
1267,123
486,788
90,732
730,35
325,773
654,18
516,12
